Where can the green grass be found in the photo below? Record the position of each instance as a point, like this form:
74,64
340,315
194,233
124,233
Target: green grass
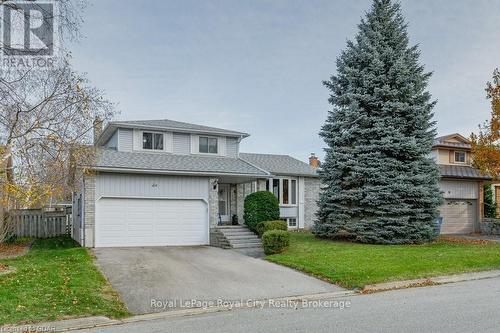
55,280
354,265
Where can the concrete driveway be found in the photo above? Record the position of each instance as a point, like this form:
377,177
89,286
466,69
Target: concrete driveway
170,277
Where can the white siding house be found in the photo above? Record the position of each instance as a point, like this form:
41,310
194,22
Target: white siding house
160,183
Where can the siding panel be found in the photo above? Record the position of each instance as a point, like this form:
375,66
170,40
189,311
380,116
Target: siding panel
232,147
125,139
181,143
151,186
288,212
459,189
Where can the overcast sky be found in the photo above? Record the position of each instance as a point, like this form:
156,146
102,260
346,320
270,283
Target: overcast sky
257,65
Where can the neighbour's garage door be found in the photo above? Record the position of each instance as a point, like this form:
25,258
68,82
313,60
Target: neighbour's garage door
144,222
458,216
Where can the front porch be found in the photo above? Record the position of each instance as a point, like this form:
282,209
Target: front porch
227,198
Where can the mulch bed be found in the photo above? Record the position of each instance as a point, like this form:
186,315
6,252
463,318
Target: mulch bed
3,267
9,251
461,240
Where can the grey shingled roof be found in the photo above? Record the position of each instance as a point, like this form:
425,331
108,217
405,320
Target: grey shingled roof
441,142
280,164
460,171
107,158
168,124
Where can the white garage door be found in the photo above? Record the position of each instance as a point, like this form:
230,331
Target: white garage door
143,222
458,216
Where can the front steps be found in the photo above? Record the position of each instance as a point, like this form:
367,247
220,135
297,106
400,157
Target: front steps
234,237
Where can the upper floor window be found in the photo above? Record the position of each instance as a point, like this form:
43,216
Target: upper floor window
208,145
152,141
459,157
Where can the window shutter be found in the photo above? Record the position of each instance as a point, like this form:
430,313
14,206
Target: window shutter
452,156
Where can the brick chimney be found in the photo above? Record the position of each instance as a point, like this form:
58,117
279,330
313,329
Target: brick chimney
97,128
313,160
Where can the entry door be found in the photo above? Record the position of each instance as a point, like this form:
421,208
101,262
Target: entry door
224,203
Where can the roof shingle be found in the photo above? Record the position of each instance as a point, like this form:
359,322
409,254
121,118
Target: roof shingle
107,158
280,164
460,171
168,124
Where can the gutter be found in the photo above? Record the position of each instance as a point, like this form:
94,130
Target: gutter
180,173
170,129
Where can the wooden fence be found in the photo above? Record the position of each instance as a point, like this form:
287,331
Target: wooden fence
39,223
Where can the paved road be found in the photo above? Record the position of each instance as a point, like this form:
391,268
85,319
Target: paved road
472,306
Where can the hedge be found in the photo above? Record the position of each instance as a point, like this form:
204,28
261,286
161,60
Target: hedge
260,206
275,241
264,226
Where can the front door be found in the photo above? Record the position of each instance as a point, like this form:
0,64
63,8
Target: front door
224,204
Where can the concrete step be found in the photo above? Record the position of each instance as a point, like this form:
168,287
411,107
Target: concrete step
242,237
249,243
237,234
238,237
227,227
246,246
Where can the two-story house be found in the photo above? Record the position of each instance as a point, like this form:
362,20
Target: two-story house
164,182
461,184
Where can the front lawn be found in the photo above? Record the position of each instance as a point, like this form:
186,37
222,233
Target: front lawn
55,280
356,265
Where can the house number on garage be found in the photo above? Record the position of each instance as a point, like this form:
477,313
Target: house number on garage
154,185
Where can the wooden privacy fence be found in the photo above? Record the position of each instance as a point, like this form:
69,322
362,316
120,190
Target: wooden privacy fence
41,224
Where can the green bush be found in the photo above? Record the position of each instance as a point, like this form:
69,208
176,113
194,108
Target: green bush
260,206
275,241
264,226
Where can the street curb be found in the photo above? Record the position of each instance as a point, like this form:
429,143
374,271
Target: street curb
430,281
101,321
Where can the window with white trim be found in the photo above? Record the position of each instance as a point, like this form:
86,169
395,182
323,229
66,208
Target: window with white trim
208,145
152,141
459,157
292,222
285,189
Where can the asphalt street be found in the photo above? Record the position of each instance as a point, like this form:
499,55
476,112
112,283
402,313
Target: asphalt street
472,306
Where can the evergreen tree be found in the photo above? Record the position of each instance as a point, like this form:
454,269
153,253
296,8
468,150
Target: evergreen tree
381,186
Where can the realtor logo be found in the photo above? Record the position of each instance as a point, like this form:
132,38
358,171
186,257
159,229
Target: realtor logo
28,34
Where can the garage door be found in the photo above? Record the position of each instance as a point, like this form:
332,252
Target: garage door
458,216
142,222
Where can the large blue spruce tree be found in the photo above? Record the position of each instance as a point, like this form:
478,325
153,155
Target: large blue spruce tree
380,185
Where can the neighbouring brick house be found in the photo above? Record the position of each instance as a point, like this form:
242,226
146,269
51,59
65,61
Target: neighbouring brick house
165,182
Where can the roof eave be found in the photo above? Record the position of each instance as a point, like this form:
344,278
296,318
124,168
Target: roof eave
450,146
175,172
477,178
295,174
180,130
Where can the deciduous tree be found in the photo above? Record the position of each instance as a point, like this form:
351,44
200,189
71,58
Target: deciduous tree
486,144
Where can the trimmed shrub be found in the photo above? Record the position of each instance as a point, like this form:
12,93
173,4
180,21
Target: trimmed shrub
260,206
264,226
275,241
